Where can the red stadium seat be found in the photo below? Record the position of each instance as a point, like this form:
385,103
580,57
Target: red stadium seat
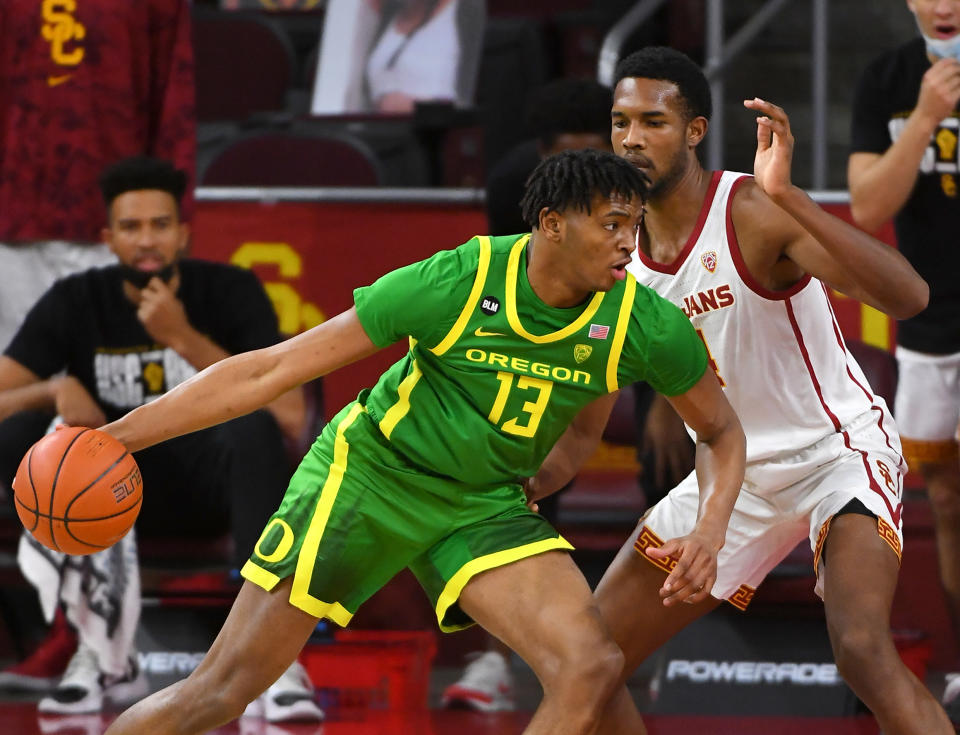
244,64
281,158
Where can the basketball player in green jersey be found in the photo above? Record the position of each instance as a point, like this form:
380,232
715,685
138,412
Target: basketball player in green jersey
510,339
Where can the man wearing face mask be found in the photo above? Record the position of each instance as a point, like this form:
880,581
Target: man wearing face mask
904,164
102,342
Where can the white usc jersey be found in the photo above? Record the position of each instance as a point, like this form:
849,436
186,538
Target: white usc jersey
779,355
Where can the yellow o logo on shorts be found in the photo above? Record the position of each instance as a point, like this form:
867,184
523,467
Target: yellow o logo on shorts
282,548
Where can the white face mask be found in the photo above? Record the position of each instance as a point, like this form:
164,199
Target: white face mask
945,48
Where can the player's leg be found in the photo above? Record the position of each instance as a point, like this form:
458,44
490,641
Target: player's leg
261,637
859,578
541,606
942,480
628,596
928,410
486,683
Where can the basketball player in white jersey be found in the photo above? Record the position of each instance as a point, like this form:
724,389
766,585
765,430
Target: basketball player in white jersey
749,259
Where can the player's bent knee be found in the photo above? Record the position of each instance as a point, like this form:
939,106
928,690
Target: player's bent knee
945,500
599,663
607,664
862,652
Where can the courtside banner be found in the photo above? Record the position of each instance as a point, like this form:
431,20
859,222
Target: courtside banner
733,663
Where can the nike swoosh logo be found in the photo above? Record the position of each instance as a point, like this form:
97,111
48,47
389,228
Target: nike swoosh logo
56,81
481,332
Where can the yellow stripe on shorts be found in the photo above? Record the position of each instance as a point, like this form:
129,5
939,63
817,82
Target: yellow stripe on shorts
300,594
451,592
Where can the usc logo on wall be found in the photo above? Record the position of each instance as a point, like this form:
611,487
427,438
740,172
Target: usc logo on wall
63,31
294,313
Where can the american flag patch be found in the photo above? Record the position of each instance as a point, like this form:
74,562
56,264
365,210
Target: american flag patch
598,331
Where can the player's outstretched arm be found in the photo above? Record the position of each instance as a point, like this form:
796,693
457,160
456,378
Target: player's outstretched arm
721,459
572,449
243,383
779,219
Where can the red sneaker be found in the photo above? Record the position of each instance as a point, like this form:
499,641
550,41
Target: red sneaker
42,669
486,685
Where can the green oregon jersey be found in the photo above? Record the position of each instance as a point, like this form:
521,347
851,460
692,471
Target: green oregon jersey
494,376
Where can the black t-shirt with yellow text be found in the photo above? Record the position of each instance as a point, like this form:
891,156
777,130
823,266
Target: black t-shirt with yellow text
84,324
928,226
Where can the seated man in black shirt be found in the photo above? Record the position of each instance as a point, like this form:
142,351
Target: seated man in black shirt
102,342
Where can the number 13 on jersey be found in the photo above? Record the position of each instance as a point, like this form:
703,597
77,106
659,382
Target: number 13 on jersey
533,409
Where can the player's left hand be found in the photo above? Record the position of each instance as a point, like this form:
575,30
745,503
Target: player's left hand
771,166
161,312
692,578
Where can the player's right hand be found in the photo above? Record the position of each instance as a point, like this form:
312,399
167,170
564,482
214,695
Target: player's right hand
74,403
693,576
162,313
939,91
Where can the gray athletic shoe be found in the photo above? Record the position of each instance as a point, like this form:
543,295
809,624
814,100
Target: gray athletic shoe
289,699
84,689
951,699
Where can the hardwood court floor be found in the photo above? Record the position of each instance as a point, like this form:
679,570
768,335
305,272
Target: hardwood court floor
22,719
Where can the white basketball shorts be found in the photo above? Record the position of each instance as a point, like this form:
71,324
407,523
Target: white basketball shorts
927,405
786,499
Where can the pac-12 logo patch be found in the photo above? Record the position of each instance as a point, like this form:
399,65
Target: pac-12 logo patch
581,352
489,305
709,260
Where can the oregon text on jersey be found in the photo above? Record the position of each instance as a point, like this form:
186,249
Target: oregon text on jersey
557,373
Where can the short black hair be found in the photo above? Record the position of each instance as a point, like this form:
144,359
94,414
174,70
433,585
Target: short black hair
667,64
571,179
138,173
568,106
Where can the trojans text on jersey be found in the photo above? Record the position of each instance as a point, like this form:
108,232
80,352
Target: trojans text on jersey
709,300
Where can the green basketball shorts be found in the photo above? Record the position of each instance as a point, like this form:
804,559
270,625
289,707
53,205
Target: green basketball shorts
356,513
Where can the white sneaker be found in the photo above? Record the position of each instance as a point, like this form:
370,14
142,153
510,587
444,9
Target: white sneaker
951,698
257,726
83,688
127,689
79,691
288,699
486,685
86,724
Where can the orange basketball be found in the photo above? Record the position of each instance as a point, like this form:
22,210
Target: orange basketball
78,490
